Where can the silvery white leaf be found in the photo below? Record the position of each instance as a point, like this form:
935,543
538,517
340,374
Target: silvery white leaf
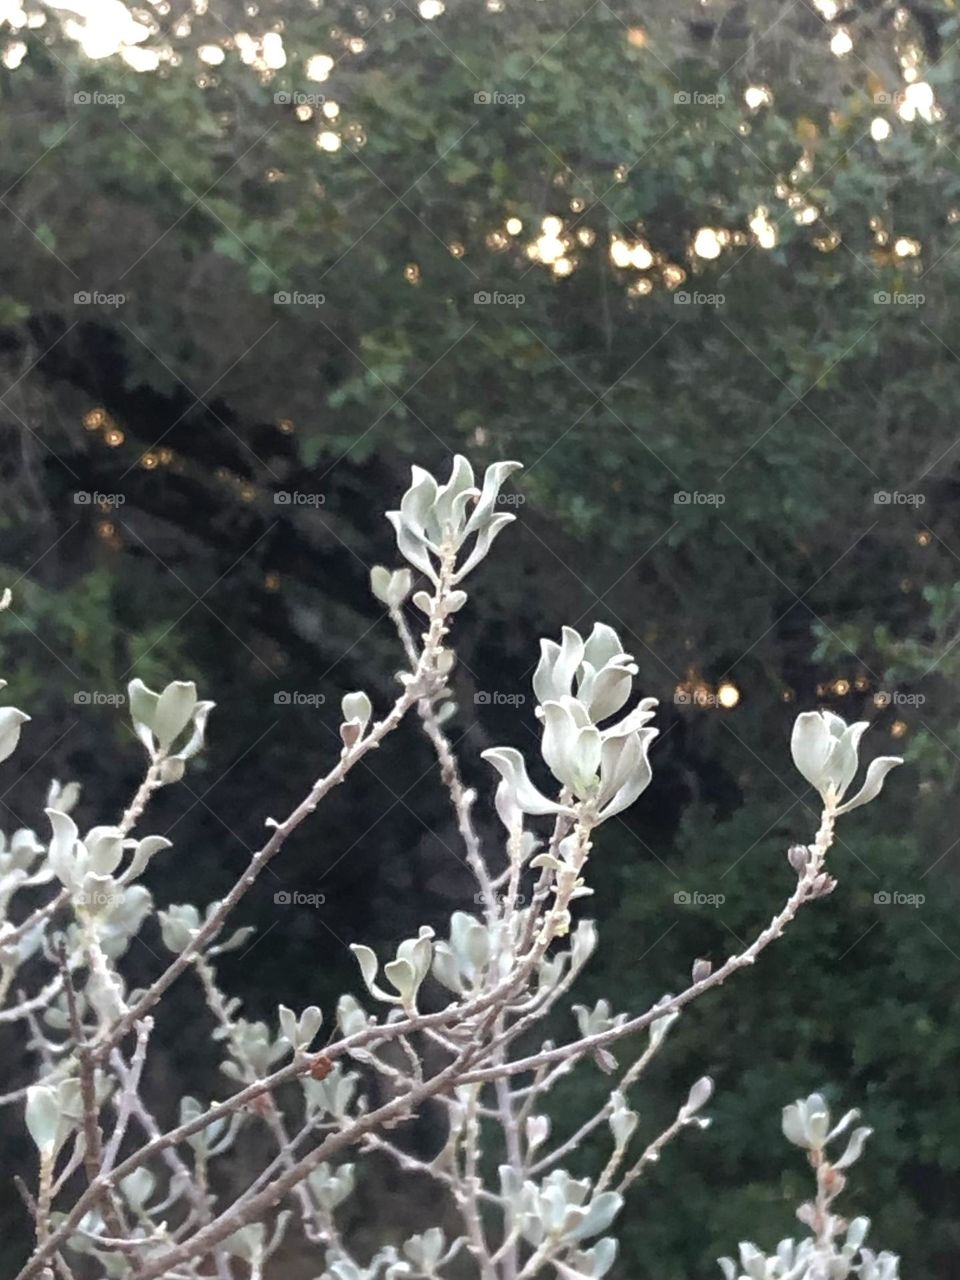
42,1116
200,713
538,1130
493,478
143,703
356,706
877,771
174,710
511,766
138,1187
481,547
600,1213
11,721
854,1148
369,967
401,974
412,547
699,1095
810,745
288,1024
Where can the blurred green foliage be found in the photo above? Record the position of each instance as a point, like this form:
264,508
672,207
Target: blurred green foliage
793,403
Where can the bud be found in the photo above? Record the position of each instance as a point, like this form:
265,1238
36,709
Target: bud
357,710
623,1121
11,721
699,1095
161,718
702,970
605,1060
826,751
390,589
798,855
299,1032
178,925
538,1130
53,1112
455,514
806,1122
172,769
822,886
356,706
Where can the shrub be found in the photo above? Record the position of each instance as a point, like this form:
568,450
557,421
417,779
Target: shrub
457,1017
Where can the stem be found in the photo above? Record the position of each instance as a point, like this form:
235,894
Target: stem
44,1194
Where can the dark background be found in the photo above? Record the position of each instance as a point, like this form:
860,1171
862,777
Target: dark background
796,399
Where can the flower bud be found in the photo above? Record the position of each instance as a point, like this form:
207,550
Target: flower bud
798,855
390,589
702,970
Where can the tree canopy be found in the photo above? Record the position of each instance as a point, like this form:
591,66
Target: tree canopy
693,266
